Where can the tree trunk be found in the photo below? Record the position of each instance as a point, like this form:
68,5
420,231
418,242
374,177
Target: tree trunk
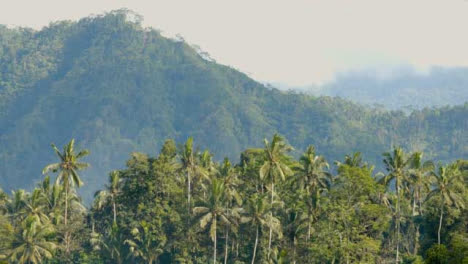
308,231
226,246
114,209
397,222
294,250
188,191
255,247
440,224
214,247
416,241
271,219
67,242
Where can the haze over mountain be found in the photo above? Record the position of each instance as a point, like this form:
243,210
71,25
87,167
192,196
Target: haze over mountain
118,87
397,88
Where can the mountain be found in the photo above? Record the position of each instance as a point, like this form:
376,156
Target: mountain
117,87
398,88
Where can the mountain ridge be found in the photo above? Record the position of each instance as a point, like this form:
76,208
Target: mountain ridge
118,87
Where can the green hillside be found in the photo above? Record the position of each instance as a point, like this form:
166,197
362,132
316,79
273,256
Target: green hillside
118,87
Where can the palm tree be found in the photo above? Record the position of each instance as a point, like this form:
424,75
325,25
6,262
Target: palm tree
448,186
191,167
396,164
419,179
257,213
34,206
51,195
231,184
112,190
274,168
313,180
214,211
32,245
67,169
418,184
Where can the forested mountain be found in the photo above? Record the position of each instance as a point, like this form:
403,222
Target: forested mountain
118,87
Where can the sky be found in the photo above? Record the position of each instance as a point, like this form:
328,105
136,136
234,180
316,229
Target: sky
290,42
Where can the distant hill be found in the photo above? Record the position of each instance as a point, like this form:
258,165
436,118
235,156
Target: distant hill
118,87
400,88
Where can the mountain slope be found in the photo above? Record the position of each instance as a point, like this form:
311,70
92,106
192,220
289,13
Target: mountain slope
117,87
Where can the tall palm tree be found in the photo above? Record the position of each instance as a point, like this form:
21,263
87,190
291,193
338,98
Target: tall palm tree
191,167
449,187
231,184
257,213
274,168
396,164
67,169
313,179
111,192
419,180
32,244
214,211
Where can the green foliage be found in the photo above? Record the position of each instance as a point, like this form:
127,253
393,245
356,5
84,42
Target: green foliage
118,87
267,208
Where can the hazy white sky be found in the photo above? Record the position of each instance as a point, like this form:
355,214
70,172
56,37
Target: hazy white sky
293,42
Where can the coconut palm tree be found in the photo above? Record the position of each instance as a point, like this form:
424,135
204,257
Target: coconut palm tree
419,180
32,244
396,164
214,210
35,206
231,184
257,214
448,187
111,192
313,179
274,168
191,167
67,169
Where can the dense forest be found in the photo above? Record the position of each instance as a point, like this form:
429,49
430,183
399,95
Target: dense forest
182,207
118,87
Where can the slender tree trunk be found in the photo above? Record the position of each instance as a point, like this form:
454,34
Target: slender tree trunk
188,191
67,242
226,246
416,241
294,250
308,230
255,247
214,247
271,219
397,222
440,224
114,209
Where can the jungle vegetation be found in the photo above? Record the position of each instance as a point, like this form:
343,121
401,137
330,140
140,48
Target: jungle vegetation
181,206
